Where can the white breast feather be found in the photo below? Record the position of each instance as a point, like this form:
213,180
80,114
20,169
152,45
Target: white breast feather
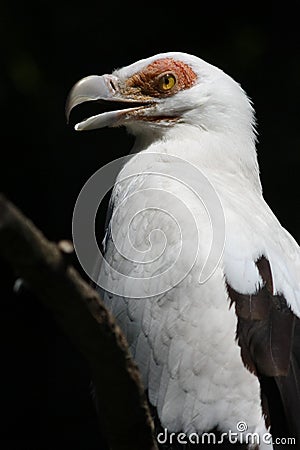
184,339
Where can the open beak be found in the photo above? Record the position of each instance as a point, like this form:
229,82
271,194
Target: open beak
104,90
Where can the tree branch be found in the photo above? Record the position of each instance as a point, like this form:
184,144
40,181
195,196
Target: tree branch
81,314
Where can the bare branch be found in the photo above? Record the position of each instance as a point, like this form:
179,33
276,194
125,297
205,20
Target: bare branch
80,312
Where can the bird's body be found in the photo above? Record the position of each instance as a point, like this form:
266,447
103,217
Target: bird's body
206,350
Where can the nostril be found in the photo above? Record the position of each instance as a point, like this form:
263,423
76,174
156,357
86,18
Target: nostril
112,85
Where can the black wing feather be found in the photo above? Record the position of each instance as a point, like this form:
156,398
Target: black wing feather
268,333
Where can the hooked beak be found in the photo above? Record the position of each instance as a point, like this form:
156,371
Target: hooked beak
105,91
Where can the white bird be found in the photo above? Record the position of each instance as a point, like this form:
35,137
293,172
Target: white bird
224,352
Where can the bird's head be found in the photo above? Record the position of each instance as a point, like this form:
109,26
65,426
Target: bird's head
161,92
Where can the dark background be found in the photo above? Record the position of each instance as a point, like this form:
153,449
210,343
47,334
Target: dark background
45,48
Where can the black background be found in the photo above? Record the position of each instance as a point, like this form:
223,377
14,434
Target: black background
45,48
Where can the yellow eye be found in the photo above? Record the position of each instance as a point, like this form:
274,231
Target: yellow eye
167,82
